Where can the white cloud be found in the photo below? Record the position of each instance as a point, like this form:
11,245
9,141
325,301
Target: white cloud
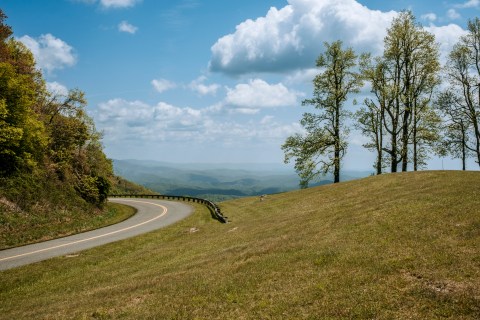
302,76
203,89
447,36
250,97
57,88
135,121
50,53
124,26
111,3
292,37
469,4
452,14
429,17
118,3
162,85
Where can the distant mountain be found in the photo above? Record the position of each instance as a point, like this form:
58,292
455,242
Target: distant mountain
215,181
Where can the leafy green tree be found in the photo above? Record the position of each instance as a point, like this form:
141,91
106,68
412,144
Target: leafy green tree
399,120
425,135
324,143
370,122
24,139
412,54
461,104
456,127
371,118
75,146
47,134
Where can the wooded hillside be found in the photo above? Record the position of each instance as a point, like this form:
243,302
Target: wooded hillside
52,166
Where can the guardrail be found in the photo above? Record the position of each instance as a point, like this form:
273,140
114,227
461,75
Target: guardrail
214,208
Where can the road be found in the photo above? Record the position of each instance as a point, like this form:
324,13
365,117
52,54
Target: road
151,215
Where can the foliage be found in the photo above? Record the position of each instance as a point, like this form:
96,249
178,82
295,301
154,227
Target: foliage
456,127
460,104
400,121
50,152
398,118
324,142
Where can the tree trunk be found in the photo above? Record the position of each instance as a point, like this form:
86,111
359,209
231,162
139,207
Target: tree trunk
379,165
477,136
404,152
379,147
393,157
414,133
336,170
464,148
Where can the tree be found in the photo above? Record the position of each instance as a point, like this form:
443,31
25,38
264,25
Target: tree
75,147
371,118
324,143
24,140
461,105
413,54
425,134
46,136
370,122
399,119
455,127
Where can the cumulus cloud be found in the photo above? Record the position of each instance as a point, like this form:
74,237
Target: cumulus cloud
57,89
139,121
118,3
162,85
429,17
468,4
447,36
452,14
50,52
250,97
124,26
292,37
201,88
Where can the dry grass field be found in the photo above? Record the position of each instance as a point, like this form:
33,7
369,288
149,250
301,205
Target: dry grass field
396,246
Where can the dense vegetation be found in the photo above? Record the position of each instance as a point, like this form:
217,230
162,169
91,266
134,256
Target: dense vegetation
407,117
396,246
54,176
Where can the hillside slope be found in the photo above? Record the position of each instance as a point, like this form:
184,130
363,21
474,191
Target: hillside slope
397,246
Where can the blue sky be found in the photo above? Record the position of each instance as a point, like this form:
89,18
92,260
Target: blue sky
213,80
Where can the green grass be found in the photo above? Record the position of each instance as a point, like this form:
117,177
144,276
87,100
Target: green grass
398,246
18,227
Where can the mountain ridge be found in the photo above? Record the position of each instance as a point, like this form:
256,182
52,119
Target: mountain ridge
216,182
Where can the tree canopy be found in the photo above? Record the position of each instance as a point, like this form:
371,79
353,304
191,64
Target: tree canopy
405,119
325,141
44,132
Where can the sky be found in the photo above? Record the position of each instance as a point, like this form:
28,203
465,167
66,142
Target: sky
210,81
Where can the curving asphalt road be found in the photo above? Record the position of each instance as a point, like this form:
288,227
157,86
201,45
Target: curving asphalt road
151,215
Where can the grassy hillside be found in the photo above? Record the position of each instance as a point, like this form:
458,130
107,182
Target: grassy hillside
398,246
36,208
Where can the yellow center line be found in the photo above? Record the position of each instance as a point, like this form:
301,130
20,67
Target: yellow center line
96,237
